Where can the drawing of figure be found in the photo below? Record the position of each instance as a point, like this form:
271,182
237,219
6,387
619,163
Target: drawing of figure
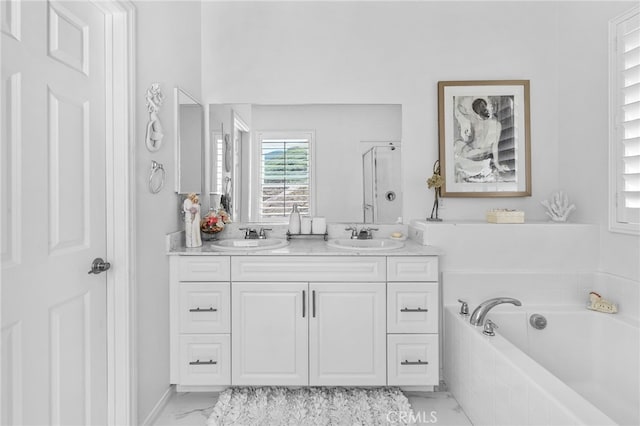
477,140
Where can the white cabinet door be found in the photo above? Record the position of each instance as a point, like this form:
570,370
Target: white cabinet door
269,334
347,334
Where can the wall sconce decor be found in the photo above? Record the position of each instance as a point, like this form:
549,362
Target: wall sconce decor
153,137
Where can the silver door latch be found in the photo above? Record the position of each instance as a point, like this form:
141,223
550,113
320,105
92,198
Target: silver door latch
99,265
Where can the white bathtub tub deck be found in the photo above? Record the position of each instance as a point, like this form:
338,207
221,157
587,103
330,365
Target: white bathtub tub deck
581,370
596,354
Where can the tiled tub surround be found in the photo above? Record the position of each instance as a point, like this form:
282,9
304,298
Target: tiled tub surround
581,369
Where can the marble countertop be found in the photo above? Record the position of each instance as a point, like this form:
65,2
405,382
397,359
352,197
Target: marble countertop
296,247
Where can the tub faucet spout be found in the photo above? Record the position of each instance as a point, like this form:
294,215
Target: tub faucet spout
479,314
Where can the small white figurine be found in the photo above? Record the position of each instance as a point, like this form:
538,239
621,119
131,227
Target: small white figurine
154,135
558,209
191,209
601,305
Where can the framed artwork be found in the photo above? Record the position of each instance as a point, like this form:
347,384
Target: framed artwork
484,136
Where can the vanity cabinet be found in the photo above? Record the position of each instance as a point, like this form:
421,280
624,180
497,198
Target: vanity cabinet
412,321
200,324
303,320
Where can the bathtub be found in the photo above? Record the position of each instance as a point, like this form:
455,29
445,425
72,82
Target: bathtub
581,369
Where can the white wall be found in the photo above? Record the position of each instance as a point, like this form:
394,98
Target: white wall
390,52
337,158
168,52
583,133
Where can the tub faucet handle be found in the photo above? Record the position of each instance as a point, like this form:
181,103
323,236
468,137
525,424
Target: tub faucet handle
488,328
464,308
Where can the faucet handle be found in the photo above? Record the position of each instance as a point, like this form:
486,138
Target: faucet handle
464,308
488,328
353,229
247,231
262,234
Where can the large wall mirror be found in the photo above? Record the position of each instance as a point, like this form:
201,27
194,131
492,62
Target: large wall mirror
189,136
339,161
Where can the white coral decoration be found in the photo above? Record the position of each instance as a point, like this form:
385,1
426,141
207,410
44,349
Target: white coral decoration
558,208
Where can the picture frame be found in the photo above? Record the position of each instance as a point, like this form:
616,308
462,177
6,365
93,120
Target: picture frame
484,131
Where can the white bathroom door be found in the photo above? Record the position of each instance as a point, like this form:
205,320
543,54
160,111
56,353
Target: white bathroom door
54,353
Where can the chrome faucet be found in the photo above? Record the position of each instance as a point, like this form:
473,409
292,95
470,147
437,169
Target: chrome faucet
478,315
365,233
253,234
249,233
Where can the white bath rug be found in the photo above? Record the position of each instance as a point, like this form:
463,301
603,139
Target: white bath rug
280,406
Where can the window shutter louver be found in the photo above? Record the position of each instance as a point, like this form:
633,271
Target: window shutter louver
285,177
626,99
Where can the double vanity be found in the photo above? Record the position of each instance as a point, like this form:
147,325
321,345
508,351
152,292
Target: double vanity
306,313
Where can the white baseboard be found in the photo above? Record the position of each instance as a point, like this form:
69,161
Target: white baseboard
157,409
182,388
417,388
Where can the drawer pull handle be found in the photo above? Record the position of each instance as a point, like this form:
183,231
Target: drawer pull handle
198,362
203,310
418,362
413,310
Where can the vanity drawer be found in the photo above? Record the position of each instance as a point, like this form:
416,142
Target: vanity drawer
414,268
308,268
412,308
204,307
203,268
205,360
412,360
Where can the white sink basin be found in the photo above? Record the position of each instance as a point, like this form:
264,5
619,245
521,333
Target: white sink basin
365,245
249,245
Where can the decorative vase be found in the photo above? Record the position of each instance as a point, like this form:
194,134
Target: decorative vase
212,223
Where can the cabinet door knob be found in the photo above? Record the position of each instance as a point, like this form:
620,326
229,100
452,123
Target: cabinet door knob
304,303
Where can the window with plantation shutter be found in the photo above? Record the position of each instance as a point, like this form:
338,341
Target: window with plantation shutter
285,174
625,122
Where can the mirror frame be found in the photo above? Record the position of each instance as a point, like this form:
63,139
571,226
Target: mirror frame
179,93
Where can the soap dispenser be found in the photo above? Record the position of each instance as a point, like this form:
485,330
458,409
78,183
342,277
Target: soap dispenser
294,220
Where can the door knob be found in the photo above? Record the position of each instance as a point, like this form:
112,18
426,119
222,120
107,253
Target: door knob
99,265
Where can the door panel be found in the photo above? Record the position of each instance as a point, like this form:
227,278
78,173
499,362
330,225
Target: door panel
347,334
53,157
269,334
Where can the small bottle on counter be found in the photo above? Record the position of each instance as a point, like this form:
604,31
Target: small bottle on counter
294,220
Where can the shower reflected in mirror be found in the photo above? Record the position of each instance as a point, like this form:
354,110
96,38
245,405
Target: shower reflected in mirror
381,193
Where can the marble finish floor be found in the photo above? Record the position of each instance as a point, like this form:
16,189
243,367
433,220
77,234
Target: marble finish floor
194,408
